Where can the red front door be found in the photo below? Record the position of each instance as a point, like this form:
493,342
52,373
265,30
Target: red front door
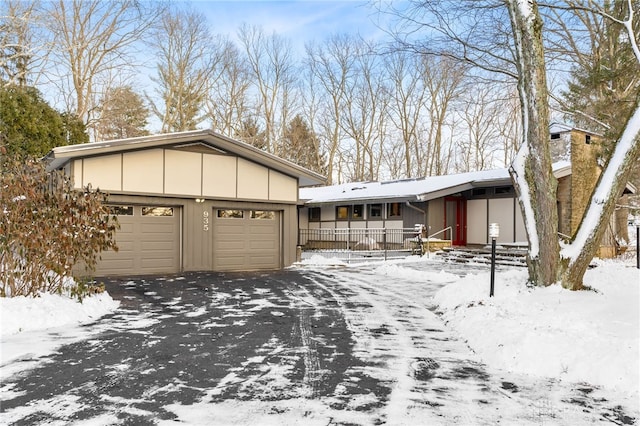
455,216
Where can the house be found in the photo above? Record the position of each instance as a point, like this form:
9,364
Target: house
191,201
459,207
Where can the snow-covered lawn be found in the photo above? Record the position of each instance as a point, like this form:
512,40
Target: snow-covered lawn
586,336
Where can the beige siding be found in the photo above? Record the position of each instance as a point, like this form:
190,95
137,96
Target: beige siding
143,171
103,172
436,216
477,221
219,176
182,172
76,174
501,212
521,232
253,180
282,187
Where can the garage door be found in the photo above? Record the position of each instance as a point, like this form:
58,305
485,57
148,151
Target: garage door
246,240
148,242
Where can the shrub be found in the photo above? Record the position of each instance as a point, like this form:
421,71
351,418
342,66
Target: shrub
46,228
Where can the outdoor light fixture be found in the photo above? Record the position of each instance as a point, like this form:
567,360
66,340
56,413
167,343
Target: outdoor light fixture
494,232
199,200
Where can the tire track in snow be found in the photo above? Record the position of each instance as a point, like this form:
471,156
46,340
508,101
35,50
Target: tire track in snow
435,378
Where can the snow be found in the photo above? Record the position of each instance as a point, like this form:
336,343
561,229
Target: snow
22,314
586,337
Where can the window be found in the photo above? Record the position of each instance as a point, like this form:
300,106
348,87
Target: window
555,135
358,211
263,214
314,214
476,192
375,211
504,189
231,214
587,139
395,210
121,210
342,212
157,211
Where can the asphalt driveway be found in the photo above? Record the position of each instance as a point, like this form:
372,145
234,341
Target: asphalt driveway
288,347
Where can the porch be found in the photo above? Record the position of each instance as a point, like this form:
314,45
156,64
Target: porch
367,243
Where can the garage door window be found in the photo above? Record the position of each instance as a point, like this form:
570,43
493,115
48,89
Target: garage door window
263,214
121,210
157,211
231,214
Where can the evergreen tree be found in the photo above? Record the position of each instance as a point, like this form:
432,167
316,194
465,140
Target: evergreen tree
604,84
122,115
252,134
30,127
302,146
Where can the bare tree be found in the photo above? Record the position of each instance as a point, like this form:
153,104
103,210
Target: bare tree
331,66
227,103
188,56
480,115
443,78
407,106
92,38
20,50
272,67
365,113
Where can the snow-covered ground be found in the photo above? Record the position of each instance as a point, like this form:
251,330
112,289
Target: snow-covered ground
588,337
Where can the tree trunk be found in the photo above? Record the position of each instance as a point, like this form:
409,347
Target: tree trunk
532,172
611,183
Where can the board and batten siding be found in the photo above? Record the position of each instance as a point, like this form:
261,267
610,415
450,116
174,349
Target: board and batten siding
171,172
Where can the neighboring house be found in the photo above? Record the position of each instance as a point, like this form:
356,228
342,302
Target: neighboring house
191,201
466,203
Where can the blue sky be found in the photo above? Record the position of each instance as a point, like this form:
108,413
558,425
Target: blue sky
300,20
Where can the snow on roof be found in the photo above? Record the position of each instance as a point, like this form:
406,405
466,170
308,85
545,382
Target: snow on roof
419,189
405,189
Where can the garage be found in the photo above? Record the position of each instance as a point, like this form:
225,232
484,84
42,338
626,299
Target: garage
246,240
148,241
190,201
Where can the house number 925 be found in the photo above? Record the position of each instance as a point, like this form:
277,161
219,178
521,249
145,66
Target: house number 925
205,220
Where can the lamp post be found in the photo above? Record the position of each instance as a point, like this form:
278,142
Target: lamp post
637,223
494,232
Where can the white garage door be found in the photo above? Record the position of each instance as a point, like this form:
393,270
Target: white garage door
246,240
148,242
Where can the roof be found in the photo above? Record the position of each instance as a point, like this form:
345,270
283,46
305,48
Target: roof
421,189
58,157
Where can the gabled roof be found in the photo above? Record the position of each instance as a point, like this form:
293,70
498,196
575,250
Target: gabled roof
422,189
60,156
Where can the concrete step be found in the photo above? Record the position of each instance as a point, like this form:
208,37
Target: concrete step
504,256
